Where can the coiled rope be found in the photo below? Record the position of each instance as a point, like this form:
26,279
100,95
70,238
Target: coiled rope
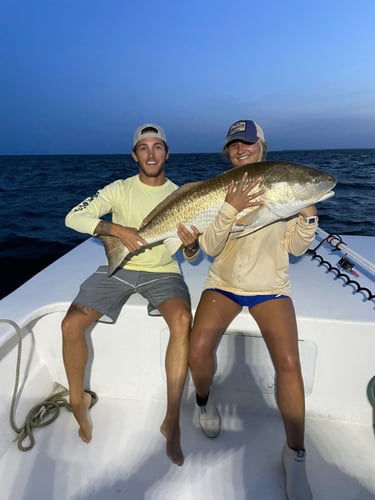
41,414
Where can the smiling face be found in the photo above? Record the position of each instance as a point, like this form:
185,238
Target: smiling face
151,155
241,153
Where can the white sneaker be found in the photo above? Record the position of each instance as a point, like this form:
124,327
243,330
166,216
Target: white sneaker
209,419
297,485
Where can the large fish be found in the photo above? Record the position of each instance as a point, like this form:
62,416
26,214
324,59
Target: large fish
289,189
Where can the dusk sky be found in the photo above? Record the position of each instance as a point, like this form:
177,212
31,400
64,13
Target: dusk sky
78,76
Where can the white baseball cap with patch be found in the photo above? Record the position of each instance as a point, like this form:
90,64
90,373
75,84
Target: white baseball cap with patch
148,131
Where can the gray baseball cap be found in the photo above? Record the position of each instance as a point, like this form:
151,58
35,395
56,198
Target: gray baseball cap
144,132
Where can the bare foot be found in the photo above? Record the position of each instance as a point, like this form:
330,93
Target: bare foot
82,415
172,434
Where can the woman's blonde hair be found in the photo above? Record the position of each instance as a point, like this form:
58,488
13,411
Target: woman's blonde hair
263,150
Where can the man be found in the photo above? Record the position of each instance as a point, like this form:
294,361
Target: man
152,272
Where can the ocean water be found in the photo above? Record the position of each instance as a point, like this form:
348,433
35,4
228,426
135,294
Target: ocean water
36,192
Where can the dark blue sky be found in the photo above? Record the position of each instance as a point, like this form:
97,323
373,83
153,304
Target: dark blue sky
78,76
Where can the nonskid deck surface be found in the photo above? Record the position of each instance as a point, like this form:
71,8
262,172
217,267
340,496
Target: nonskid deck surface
126,458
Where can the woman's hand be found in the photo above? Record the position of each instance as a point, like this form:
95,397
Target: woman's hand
240,195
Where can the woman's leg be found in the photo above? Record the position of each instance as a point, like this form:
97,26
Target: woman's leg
214,314
277,322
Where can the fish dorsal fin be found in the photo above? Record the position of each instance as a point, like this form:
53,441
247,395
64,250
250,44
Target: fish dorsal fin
181,191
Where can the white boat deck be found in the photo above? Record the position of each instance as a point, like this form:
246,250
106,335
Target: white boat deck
126,458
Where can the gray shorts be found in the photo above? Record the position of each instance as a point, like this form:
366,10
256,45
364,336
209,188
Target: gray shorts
107,294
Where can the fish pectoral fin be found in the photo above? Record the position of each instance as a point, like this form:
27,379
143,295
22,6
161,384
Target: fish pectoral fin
247,217
172,245
115,252
246,222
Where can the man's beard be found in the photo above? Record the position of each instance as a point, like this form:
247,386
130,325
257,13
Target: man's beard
154,173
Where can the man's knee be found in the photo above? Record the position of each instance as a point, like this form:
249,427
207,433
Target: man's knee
178,315
70,326
76,322
186,318
182,323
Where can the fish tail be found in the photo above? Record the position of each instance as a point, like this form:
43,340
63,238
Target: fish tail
115,252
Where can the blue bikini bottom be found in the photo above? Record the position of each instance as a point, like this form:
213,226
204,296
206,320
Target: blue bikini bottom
247,300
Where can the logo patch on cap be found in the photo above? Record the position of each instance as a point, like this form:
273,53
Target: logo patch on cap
237,127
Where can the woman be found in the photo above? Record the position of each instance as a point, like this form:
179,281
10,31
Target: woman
253,271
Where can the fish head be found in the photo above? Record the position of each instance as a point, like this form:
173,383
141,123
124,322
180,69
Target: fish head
291,187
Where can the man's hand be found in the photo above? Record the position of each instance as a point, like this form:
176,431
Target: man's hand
188,238
128,236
